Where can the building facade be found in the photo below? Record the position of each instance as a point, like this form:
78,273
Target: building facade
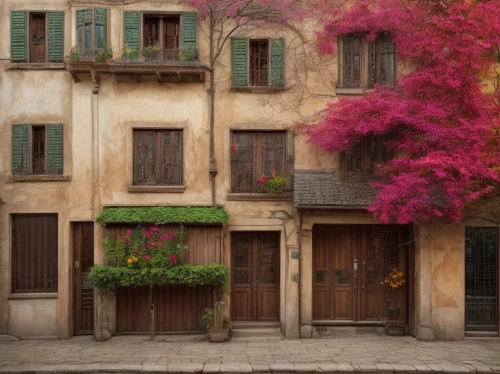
107,106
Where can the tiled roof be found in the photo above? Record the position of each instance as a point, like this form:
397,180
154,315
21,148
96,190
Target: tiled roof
320,188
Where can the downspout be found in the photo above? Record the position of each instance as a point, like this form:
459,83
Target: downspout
213,162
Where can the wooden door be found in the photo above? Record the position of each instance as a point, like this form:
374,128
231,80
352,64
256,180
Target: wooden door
255,277
350,262
83,292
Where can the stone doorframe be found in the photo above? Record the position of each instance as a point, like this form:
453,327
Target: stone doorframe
422,307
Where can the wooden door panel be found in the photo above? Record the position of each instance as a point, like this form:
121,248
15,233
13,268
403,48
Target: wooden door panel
132,309
343,304
321,300
83,292
343,274
255,276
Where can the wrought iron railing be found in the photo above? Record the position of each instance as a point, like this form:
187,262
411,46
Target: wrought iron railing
37,51
149,55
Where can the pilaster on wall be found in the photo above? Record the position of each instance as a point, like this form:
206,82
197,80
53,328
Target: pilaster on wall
306,286
105,311
423,281
292,281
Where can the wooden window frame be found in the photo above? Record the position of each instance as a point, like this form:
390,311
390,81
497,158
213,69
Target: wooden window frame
31,152
48,260
364,64
368,159
158,157
161,17
262,83
30,16
257,158
82,46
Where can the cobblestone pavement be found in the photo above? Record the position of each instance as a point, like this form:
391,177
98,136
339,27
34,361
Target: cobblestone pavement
193,353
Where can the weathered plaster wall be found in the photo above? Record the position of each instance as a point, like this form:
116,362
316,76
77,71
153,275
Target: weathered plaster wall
448,281
32,318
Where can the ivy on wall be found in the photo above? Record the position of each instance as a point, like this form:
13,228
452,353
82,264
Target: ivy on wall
109,279
163,215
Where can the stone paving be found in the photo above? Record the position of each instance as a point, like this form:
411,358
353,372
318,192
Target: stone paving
194,354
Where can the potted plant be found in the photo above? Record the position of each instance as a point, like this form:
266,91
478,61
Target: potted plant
219,330
103,55
394,325
273,185
151,53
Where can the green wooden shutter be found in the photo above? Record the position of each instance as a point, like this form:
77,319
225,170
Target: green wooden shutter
56,36
100,17
189,31
240,62
132,24
290,158
20,148
55,151
18,44
277,63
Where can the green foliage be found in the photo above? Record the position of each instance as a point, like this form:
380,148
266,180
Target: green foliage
103,55
188,55
130,54
109,279
163,215
208,317
275,185
75,55
152,52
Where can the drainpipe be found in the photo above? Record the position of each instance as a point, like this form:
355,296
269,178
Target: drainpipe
213,162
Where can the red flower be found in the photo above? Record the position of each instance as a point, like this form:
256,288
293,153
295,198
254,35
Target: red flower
160,245
153,244
117,237
147,257
129,231
234,147
172,259
127,239
146,234
161,237
167,236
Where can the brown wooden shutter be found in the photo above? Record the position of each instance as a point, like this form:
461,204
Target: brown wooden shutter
243,176
34,253
145,158
172,158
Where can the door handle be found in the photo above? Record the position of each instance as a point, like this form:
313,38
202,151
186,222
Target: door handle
362,286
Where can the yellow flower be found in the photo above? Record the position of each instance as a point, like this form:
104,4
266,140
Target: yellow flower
129,260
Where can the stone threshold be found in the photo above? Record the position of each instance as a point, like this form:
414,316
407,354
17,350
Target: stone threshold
239,367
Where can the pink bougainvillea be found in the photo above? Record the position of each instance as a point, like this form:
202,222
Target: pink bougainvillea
442,119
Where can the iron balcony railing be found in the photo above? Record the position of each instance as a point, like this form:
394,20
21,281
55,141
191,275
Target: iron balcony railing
149,55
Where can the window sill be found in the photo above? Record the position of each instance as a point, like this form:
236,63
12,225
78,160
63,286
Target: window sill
47,295
257,89
39,178
286,196
156,189
35,66
351,91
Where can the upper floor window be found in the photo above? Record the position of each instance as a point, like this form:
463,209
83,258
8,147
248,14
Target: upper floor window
258,62
91,31
363,64
365,155
164,36
158,157
37,149
37,37
257,154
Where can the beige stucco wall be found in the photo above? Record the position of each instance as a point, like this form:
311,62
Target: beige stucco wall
32,318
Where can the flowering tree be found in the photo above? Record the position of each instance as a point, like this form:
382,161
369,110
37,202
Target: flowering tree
442,119
224,18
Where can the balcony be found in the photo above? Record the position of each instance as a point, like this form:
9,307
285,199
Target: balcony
168,65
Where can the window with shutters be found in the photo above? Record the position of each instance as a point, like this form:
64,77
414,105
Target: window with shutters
158,158
365,156
257,154
34,253
91,32
258,62
37,37
172,35
37,150
362,63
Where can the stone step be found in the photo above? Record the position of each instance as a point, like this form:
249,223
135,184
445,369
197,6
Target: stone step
256,334
255,325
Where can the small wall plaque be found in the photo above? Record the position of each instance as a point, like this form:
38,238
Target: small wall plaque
295,277
295,255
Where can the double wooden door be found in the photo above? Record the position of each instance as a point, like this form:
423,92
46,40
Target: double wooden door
350,263
255,276
83,292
